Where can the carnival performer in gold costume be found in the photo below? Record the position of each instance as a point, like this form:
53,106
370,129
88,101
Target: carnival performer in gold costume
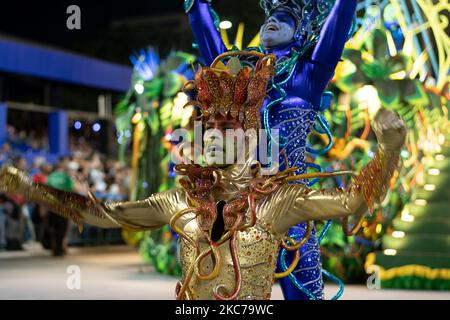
231,218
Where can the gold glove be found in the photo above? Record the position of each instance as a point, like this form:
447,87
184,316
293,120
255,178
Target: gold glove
374,178
11,181
68,204
390,130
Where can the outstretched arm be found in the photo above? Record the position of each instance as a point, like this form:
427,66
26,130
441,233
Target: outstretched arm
296,203
334,33
206,35
151,213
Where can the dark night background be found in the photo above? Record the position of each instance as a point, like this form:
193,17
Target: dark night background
112,30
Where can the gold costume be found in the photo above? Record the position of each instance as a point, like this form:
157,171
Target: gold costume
231,220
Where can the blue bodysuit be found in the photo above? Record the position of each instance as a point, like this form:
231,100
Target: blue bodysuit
295,115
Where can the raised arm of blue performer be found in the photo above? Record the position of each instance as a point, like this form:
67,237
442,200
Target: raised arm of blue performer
334,33
333,36
206,35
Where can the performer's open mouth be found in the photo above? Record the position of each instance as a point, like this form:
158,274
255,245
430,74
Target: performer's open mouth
272,27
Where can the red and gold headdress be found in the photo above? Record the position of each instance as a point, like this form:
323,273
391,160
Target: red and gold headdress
233,89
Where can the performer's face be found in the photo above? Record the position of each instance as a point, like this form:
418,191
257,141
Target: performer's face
215,145
279,29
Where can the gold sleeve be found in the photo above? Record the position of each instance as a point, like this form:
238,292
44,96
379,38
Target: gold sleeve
295,203
151,213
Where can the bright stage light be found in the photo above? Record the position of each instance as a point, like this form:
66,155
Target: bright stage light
367,97
180,100
378,228
224,25
96,127
390,252
136,118
434,172
404,154
429,187
139,88
420,202
398,234
439,157
406,216
77,125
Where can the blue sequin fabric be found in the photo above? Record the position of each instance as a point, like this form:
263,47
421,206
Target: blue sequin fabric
294,119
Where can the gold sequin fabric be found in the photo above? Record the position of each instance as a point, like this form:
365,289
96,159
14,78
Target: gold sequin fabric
374,178
257,249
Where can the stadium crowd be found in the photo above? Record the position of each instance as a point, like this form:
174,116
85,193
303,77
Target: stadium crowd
85,169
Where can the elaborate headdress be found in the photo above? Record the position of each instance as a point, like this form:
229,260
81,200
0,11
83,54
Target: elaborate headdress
310,14
234,87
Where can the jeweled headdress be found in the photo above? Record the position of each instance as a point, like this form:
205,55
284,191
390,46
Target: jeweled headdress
310,14
231,87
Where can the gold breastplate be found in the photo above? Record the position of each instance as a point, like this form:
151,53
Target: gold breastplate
257,251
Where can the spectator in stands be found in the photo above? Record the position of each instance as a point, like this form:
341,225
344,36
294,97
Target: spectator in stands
39,213
59,179
15,224
3,214
5,154
20,163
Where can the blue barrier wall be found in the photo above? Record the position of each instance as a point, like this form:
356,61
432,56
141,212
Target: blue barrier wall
33,60
58,133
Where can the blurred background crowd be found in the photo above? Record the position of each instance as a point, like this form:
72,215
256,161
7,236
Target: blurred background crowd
23,223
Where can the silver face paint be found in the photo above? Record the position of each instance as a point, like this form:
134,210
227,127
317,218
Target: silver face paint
274,32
